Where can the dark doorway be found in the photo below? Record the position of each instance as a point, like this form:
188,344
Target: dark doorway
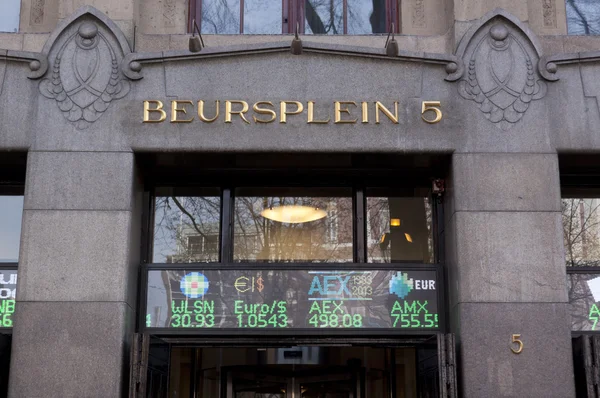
5,342
294,372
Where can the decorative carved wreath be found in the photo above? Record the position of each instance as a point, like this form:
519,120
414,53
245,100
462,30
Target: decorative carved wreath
81,86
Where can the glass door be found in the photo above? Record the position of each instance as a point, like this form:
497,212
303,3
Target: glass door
341,383
266,382
253,382
298,372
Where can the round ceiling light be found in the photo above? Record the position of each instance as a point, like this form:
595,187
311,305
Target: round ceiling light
293,214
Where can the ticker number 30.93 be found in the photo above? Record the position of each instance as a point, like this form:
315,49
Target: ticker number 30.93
431,106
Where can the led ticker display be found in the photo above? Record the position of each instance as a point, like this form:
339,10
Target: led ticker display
403,300
8,289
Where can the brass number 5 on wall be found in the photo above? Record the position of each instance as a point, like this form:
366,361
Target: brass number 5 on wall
434,107
516,339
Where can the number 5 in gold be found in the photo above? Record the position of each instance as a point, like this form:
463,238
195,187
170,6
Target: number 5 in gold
516,340
431,106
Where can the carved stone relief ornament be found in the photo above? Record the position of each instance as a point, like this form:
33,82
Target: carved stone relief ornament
418,14
85,61
549,13
501,78
499,70
36,15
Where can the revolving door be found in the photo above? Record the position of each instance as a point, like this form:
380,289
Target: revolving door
293,382
295,372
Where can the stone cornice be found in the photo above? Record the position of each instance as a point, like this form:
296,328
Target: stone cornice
132,63
37,61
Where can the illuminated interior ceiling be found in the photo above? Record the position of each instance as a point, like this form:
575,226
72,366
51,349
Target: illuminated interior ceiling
293,214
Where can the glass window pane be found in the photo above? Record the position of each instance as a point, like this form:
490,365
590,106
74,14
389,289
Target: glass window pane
9,17
286,225
220,17
581,231
584,297
11,213
324,17
399,229
186,228
262,16
583,17
366,17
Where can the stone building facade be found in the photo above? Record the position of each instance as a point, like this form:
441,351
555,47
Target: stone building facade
90,91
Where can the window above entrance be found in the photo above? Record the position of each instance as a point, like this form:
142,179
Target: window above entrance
291,208
293,224
324,17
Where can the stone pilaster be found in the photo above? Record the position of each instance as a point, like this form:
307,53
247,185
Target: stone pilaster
507,275
77,275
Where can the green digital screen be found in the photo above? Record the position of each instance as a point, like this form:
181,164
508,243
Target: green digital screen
403,300
8,289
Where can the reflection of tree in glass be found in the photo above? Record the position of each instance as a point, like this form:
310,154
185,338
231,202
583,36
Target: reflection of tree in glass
322,16
262,17
583,17
366,17
186,229
325,240
391,244
378,218
363,17
220,16
581,231
581,300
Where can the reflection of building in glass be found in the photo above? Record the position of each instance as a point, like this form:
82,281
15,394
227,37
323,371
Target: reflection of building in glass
320,17
325,236
195,247
584,294
398,229
187,229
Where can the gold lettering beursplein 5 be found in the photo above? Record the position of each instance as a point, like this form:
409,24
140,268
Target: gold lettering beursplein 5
265,112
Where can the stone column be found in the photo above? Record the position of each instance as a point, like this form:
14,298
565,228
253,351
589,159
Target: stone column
507,275
77,275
